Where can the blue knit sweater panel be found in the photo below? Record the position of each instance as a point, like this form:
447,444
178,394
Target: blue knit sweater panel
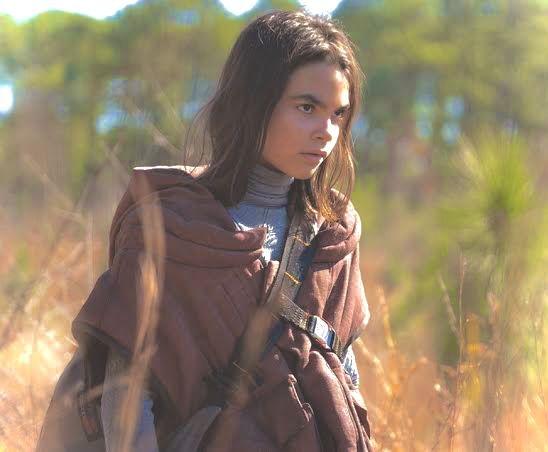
265,204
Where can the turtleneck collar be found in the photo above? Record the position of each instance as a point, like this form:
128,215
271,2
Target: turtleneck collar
267,187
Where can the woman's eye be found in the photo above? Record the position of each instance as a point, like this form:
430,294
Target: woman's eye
306,108
340,113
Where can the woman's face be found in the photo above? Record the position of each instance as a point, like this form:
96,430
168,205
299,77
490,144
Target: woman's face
307,120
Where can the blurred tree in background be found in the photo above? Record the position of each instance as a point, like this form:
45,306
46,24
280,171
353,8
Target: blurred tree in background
451,148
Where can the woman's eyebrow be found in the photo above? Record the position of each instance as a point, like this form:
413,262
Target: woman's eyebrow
310,98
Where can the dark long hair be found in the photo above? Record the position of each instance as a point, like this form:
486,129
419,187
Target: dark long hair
252,82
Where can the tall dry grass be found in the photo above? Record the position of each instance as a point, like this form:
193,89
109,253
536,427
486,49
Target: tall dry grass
418,404
151,278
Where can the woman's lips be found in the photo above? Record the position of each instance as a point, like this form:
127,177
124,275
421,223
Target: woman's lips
313,157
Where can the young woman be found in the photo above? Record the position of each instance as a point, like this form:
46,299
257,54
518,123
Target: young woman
278,131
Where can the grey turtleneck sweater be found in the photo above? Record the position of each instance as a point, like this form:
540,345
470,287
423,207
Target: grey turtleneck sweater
264,204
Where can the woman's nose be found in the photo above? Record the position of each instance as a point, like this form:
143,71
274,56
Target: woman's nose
325,130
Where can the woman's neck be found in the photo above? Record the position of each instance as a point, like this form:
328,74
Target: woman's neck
267,187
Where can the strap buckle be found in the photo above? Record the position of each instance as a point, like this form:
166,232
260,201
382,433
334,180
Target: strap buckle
319,329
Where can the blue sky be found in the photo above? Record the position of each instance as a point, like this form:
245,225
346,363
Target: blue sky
22,10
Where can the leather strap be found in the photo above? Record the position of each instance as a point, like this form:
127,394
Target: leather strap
316,327
289,278
297,254
296,257
295,244
253,344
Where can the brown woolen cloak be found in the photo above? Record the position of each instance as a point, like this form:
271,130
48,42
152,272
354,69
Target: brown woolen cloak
213,282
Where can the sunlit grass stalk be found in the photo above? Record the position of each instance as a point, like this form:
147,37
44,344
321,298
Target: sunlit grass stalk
456,326
149,295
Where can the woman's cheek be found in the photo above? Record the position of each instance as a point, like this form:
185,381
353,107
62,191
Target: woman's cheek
305,122
293,116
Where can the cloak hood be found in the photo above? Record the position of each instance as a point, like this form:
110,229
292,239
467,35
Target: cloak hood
200,231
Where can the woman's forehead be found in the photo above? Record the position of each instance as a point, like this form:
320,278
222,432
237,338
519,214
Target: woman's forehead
323,82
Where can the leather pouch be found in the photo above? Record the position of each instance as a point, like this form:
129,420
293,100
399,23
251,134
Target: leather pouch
273,418
280,410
